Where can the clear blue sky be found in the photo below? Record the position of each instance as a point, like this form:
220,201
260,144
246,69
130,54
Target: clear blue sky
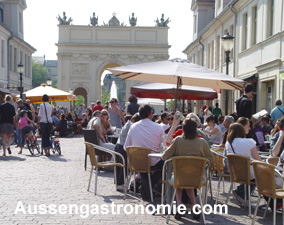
41,31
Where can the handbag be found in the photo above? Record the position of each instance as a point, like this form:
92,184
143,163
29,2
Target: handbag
49,125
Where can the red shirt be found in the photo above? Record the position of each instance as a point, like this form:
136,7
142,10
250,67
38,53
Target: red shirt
180,132
97,107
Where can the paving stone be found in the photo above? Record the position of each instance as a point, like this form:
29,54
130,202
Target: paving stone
63,180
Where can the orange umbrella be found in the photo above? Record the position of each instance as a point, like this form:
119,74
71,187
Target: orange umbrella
56,95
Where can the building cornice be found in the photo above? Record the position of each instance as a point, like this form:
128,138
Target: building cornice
112,45
269,65
261,44
115,27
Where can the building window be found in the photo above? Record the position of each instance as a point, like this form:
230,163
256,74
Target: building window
29,67
194,23
270,17
217,55
15,60
218,4
245,31
11,58
26,65
254,25
212,55
21,57
208,56
2,53
232,33
1,14
223,52
21,22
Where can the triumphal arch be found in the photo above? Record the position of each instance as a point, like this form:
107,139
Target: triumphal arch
84,52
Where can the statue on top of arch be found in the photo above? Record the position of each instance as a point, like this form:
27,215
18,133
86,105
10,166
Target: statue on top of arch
162,22
64,21
94,19
133,20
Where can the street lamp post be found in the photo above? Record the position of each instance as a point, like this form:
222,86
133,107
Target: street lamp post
21,68
228,44
71,92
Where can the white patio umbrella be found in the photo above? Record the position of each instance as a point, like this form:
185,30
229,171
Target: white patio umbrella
179,72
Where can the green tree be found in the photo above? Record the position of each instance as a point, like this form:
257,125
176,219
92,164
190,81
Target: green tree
79,100
105,97
39,73
54,82
171,105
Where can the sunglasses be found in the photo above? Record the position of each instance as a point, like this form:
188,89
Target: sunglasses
170,118
104,114
111,102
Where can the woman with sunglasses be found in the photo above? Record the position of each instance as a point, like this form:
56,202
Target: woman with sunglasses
105,123
115,114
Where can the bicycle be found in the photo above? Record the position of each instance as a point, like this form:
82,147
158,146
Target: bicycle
31,142
55,145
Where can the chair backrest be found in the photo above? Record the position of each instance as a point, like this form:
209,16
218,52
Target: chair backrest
91,136
188,171
138,159
91,152
273,160
239,167
218,164
265,179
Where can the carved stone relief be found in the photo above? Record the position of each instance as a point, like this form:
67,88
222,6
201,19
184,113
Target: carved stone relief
80,69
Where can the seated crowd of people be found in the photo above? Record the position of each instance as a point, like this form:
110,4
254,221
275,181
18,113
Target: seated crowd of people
190,135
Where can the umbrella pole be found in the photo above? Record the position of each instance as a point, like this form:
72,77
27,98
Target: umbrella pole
178,84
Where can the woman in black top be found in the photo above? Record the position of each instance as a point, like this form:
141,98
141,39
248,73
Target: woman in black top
133,106
7,113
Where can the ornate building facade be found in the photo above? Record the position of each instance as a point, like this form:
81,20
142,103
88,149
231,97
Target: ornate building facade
84,52
257,55
13,48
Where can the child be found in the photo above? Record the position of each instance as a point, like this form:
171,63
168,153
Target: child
24,127
258,130
266,125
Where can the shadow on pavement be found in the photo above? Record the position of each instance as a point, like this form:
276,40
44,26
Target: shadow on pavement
56,158
12,158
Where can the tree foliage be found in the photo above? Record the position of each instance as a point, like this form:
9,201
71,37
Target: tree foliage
105,97
79,100
171,105
39,73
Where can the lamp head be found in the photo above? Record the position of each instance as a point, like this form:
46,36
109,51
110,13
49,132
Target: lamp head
228,42
20,68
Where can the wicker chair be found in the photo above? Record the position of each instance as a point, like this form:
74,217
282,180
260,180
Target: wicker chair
139,162
91,137
219,168
239,167
272,160
91,151
188,174
265,182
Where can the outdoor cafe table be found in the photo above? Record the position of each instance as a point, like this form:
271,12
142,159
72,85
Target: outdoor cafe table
113,138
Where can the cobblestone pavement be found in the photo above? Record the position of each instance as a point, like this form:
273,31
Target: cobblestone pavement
57,180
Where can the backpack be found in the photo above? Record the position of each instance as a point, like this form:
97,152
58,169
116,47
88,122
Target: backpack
27,107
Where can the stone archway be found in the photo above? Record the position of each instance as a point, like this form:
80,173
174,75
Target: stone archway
109,65
84,52
83,92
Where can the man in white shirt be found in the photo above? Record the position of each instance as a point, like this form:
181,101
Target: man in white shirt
148,134
165,123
